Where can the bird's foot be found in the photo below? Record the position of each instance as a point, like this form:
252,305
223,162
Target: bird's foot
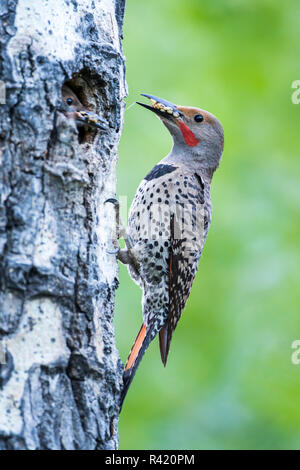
127,255
116,247
114,251
113,201
120,229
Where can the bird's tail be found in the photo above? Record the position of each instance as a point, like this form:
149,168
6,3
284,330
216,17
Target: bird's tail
143,339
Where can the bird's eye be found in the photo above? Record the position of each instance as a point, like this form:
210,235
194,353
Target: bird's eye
69,101
198,118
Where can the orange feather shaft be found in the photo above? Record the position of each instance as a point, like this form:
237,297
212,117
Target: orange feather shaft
136,347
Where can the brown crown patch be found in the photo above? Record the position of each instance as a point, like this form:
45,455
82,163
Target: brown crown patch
190,112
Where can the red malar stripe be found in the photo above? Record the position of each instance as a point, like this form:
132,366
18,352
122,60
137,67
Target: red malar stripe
188,135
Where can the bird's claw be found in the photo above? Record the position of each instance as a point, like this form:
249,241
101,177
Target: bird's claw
114,252
113,201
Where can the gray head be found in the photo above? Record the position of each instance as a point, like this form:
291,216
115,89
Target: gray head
197,134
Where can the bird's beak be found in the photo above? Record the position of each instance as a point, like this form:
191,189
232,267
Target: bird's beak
162,107
89,119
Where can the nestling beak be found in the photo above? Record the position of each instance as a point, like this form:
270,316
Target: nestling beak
89,119
161,107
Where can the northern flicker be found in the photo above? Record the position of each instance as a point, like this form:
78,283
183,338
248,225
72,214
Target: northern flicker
168,224
82,116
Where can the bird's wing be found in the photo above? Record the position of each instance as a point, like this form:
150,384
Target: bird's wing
188,229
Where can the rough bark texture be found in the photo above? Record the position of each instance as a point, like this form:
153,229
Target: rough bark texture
60,374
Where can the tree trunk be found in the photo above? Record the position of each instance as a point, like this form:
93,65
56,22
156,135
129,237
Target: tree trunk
60,372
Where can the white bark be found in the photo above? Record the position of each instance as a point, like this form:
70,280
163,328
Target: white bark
60,374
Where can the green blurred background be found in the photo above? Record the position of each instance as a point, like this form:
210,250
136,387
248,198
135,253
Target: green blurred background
229,382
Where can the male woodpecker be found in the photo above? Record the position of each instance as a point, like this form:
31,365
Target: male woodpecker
81,115
168,224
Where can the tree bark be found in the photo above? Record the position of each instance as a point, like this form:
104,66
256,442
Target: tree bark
60,372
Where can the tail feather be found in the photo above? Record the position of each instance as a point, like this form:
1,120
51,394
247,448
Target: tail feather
136,347
143,339
163,344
